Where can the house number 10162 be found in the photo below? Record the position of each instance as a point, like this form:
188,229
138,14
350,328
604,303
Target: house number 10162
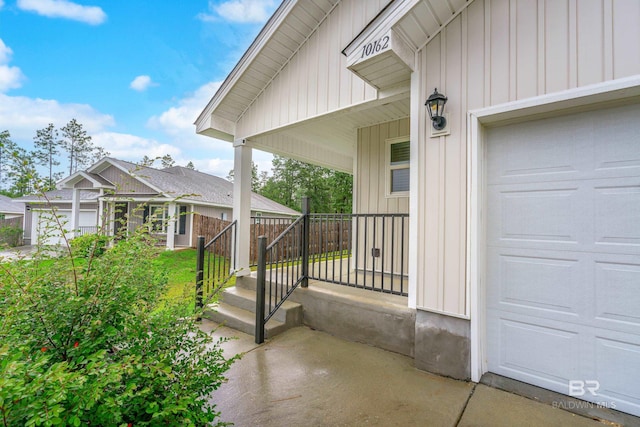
375,46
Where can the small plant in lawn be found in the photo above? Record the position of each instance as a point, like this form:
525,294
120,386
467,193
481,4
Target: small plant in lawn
90,340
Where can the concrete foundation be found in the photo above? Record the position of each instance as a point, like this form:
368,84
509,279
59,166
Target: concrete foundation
374,318
442,345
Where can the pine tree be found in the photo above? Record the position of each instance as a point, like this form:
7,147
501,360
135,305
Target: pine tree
167,161
47,148
80,149
6,148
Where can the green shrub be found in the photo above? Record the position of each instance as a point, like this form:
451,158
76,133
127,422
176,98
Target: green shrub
87,340
10,236
89,245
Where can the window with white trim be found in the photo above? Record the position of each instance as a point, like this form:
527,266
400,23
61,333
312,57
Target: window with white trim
398,155
158,215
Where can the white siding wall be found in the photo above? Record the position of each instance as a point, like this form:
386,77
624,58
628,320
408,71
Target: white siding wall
370,177
498,51
316,80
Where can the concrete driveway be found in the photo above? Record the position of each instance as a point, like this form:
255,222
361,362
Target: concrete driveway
305,377
20,252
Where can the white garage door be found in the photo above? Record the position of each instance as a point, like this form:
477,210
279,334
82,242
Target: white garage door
563,255
43,225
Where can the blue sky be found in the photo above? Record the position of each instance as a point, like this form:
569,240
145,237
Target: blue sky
135,73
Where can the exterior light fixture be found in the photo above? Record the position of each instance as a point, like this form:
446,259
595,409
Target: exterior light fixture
435,106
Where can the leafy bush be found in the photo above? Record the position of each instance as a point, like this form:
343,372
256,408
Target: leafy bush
89,245
10,236
89,340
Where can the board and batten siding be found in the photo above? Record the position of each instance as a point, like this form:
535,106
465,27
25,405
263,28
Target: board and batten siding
316,80
497,51
370,176
369,196
124,182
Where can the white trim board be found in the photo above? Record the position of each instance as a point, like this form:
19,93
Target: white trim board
601,95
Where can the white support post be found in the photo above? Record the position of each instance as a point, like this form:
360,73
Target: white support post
75,214
101,219
171,226
191,219
242,205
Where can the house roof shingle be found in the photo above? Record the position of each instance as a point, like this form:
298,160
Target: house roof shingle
173,182
7,205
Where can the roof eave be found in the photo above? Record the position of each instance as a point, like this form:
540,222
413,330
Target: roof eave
247,59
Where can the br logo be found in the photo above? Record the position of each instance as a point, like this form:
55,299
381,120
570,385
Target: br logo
580,388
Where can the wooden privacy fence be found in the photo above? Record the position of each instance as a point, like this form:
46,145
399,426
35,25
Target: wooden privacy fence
326,235
11,237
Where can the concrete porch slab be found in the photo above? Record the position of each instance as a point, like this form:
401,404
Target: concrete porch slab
307,377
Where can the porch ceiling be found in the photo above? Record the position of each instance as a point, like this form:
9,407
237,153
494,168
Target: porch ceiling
330,140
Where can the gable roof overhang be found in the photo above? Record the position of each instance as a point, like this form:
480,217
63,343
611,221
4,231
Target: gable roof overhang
285,32
410,25
105,162
97,182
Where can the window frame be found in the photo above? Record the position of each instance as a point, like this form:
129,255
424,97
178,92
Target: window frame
162,220
389,167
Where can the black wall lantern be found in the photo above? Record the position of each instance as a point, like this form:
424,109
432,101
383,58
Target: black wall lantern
435,105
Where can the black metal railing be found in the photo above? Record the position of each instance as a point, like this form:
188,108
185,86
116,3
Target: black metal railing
216,263
288,259
367,251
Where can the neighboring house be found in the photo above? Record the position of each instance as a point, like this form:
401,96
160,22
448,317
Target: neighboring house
113,194
10,209
524,211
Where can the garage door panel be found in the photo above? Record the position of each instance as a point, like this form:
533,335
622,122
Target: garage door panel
530,153
534,351
617,295
616,383
553,296
617,151
541,215
617,216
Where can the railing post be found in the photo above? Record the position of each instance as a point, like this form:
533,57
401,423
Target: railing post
260,291
199,273
306,210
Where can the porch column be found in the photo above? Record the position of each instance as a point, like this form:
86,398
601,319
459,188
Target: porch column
171,226
242,204
101,219
75,213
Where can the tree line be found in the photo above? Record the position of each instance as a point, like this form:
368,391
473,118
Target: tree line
18,167
330,191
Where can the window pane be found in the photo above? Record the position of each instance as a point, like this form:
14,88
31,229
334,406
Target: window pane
400,180
400,152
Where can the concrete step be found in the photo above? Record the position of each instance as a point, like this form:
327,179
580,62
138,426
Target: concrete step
248,282
289,312
241,320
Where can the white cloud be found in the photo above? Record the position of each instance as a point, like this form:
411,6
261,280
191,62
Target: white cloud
243,11
178,121
133,148
22,116
10,77
141,83
92,15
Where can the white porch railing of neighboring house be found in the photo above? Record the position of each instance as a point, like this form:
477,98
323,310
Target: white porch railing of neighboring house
86,229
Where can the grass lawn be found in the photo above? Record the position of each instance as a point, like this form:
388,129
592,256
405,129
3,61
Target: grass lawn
180,266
